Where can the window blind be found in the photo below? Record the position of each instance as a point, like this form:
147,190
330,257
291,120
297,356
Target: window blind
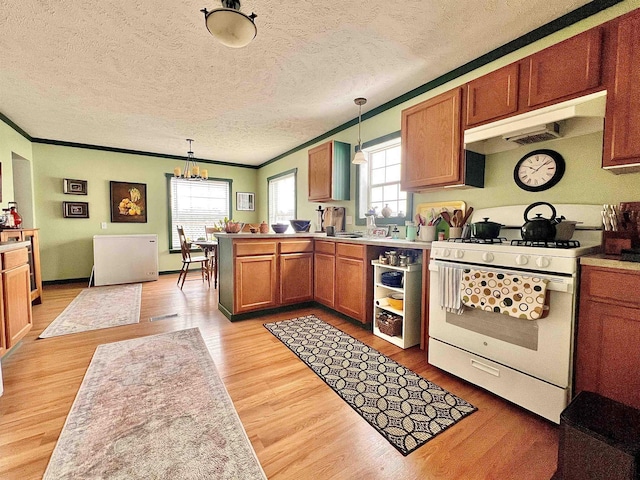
282,198
195,204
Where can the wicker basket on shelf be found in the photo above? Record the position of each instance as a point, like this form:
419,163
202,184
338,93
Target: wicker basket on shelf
389,324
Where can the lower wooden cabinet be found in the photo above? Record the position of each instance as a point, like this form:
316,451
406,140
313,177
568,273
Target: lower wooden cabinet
35,275
296,278
255,283
15,317
324,273
607,354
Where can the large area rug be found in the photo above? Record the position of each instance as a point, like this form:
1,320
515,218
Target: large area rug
153,408
98,307
407,409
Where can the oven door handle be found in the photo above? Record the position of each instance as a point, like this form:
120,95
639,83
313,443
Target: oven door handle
556,284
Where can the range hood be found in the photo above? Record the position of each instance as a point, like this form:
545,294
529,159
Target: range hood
578,116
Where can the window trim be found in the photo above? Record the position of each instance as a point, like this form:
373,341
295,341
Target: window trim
169,176
293,171
361,221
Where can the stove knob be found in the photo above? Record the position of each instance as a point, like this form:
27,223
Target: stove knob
458,253
446,252
522,260
487,257
543,262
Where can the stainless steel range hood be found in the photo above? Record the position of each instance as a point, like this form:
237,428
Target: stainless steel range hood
579,116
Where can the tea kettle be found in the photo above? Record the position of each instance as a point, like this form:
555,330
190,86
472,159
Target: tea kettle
539,229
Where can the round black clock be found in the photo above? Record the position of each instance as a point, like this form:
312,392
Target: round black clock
539,170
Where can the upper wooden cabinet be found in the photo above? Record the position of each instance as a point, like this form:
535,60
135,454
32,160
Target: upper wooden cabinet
329,172
622,121
493,95
432,143
563,71
566,69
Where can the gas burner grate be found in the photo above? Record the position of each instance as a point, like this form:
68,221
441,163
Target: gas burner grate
478,240
546,244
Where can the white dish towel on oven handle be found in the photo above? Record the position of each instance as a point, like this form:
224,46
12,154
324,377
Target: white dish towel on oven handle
449,279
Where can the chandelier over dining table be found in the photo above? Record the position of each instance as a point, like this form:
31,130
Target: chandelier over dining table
191,170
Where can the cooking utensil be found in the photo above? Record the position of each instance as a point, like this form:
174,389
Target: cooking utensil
539,229
466,217
396,300
565,229
445,216
486,229
456,218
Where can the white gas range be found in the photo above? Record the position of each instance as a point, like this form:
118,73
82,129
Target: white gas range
527,361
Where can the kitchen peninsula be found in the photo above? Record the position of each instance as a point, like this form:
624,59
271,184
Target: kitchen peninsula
261,272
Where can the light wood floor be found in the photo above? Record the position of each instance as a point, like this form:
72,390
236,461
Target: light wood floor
299,428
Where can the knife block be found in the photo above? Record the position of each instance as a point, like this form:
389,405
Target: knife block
614,242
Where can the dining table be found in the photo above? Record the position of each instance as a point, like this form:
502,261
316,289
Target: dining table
210,249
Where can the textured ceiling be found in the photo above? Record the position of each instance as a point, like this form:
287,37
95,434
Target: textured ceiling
146,75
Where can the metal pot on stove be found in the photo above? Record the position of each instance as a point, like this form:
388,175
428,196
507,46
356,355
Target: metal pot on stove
539,229
486,229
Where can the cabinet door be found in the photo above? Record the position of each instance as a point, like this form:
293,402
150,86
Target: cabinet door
431,142
255,283
351,288
607,356
566,69
324,278
320,172
493,95
3,330
34,265
622,122
17,303
296,278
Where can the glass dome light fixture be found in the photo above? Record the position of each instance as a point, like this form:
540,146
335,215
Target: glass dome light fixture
359,157
191,169
229,25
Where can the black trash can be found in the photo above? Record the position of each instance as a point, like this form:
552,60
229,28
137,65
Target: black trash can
599,440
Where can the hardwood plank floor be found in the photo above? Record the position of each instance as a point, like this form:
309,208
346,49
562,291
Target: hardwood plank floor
299,428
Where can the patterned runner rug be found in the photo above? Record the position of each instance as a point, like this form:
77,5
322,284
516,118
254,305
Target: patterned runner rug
402,406
98,307
153,407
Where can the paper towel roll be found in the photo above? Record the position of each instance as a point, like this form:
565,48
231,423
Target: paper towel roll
381,302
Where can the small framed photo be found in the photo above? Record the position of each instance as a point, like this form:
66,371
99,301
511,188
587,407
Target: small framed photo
74,187
75,209
245,201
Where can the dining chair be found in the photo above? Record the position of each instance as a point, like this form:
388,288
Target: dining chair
188,259
212,253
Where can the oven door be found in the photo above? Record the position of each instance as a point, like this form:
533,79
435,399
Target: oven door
540,348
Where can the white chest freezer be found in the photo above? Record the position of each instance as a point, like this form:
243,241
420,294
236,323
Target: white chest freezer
124,259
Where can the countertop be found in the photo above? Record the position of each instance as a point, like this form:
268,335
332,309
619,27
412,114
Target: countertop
8,246
387,242
608,261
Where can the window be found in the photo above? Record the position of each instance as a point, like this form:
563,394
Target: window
282,197
379,183
194,204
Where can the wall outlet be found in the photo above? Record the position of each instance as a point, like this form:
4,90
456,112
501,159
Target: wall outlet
349,220
103,225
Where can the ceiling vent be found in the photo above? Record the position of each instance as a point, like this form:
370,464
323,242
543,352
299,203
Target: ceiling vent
542,133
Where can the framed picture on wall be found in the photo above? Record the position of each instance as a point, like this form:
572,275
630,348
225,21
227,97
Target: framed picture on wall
128,202
245,201
74,187
75,209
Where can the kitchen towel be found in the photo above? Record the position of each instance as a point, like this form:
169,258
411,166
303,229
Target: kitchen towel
449,281
510,294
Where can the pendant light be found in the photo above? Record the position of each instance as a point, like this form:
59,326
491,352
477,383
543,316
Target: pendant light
191,169
229,25
359,157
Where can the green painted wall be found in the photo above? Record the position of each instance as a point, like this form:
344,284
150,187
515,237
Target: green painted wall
66,244
584,181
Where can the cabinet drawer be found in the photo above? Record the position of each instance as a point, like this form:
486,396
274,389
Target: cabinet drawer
325,247
254,248
11,236
350,250
608,285
296,246
14,258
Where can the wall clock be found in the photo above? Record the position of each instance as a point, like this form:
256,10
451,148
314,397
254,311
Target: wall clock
539,170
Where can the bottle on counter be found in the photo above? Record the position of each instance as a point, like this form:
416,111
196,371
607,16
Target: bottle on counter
395,233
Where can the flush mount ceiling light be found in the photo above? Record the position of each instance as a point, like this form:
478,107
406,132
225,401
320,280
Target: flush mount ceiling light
229,25
191,169
359,157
